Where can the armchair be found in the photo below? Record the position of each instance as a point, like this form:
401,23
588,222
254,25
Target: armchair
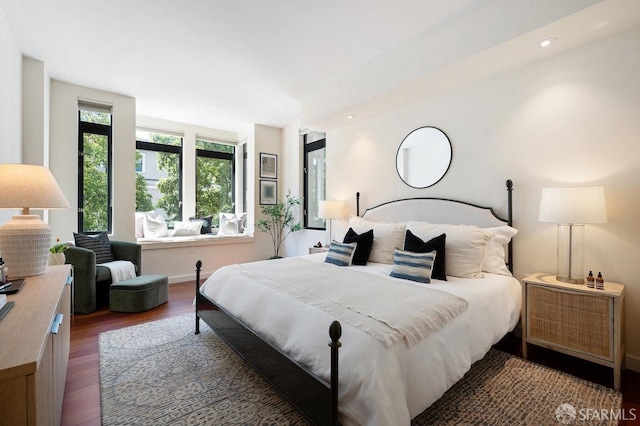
91,281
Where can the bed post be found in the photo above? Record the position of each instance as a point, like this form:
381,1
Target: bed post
335,332
510,221
358,204
198,266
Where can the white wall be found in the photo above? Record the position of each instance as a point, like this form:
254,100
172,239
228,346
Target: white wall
571,119
36,86
63,160
266,139
10,102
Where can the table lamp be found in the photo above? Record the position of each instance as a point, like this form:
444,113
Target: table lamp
571,208
329,209
25,240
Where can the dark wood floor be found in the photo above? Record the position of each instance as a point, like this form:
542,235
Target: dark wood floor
81,404
82,394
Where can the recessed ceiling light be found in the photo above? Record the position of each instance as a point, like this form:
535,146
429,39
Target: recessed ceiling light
350,116
546,43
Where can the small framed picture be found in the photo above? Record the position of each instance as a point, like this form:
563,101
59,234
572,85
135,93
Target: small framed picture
268,192
268,166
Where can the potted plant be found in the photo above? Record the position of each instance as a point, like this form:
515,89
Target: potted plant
280,222
56,253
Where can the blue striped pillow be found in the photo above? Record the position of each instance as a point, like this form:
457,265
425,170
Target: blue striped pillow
413,266
340,253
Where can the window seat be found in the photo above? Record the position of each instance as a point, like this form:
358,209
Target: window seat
176,257
193,240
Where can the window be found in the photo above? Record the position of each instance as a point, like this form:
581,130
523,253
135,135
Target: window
140,160
244,177
95,146
159,176
215,183
314,178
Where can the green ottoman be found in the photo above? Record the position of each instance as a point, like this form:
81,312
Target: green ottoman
139,294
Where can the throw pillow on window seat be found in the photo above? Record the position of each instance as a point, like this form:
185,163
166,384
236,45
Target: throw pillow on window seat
140,222
184,229
155,227
206,223
232,223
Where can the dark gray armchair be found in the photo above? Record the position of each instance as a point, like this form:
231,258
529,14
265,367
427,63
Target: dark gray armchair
91,282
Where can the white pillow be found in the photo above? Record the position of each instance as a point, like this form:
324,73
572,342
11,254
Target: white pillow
155,227
494,256
140,222
229,224
386,237
242,221
464,247
182,229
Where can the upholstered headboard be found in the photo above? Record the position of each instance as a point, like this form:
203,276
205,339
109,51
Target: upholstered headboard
441,210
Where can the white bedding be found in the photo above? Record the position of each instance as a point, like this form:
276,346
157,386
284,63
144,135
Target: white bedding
378,385
360,299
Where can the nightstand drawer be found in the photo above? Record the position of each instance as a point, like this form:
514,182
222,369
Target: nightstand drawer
572,320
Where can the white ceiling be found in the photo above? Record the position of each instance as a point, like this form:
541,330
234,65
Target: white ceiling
226,64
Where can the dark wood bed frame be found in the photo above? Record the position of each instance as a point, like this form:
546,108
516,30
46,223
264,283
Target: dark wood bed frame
315,398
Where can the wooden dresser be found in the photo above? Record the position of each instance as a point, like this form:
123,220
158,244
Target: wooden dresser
33,358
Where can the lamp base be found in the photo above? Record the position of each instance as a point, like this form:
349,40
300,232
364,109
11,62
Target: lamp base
570,253
570,280
24,245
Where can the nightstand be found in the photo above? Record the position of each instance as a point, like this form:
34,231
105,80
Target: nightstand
313,250
574,319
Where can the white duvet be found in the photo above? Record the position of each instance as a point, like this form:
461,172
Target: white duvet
378,385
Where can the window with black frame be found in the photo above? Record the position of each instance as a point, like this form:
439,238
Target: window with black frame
215,179
314,178
95,146
159,174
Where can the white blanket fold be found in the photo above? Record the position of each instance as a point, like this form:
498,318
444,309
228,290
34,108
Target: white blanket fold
389,310
121,270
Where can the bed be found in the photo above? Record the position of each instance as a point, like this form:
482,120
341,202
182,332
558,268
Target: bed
263,312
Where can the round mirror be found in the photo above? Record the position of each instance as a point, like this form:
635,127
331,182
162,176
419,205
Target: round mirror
423,158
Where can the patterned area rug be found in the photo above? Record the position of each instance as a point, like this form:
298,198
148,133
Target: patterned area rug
161,373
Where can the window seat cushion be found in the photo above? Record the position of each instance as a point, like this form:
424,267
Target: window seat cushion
187,238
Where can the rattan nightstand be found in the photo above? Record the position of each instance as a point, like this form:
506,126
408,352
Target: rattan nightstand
574,319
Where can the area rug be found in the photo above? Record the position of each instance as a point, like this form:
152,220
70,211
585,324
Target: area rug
161,373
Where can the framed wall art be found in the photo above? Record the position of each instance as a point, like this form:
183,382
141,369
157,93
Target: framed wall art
268,192
268,166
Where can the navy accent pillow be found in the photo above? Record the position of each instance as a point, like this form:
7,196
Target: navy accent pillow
416,245
99,244
363,249
206,223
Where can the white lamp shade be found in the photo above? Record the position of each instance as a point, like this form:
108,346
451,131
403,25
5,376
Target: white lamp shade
573,205
25,186
328,209
25,240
